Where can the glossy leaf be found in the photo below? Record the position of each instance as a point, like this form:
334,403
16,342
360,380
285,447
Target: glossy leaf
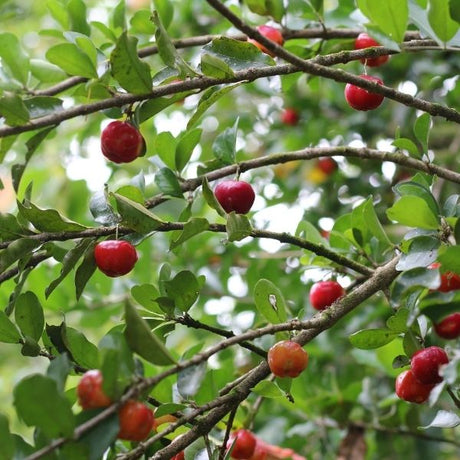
185,145
21,248
189,380
368,339
210,198
184,288
238,227
413,211
421,253
194,226
70,58
8,331
422,130
224,147
83,351
270,301
29,315
168,183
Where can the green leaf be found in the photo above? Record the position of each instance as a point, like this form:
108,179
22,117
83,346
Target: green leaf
422,130
77,16
417,187
142,340
185,146
136,216
421,253
118,17
419,277
189,380
147,109
165,10
168,183
410,343
128,69
276,8
406,144
47,220
444,419
29,316
8,331
413,211
59,369
70,58
44,71
146,295
369,339
38,403
84,352
390,16
238,227
449,258
10,228
194,226
167,51
454,8
398,322
269,301
184,289
228,55
224,146
85,270
14,110
68,263
14,57
30,347
211,199
210,97
165,146
102,210
7,440
17,250
59,13
267,389
441,21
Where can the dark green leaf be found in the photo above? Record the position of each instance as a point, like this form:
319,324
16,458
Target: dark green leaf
29,315
30,347
39,403
422,130
70,58
185,146
7,440
168,183
449,258
210,198
368,339
410,343
14,57
184,289
142,341
69,262
10,228
454,8
8,331
83,351
270,301
14,110
238,227
17,250
128,69
147,109
224,147
136,216
85,270
194,226
421,253
59,369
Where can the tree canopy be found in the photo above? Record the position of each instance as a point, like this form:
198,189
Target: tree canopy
366,197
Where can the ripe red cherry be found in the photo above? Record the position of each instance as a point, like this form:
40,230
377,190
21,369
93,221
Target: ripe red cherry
235,195
449,327
179,456
272,34
425,364
136,421
287,359
121,142
290,116
362,99
115,257
450,281
325,293
327,165
364,41
89,391
410,389
244,446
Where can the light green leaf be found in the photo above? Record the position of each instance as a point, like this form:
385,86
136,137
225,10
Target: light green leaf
8,331
422,130
77,16
270,301
165,147
185,145
368,339
238,226
142,340
168,183
70,58
441,21
14,110
194,226
398,322
268,389
413,211
14,57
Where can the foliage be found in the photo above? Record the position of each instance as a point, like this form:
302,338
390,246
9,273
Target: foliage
189,328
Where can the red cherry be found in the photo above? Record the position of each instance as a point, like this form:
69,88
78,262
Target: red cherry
327,165
324,293
179,456
364,41
136,421
272,34
115,257
410,389
121,142
89,391
287,359
290,116
244,445
449,327
450,281
425,364
362,99
235,195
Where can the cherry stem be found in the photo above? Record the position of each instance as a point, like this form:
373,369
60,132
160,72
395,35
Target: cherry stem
452,395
